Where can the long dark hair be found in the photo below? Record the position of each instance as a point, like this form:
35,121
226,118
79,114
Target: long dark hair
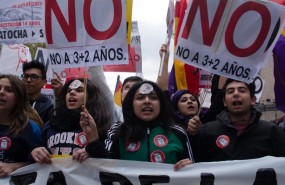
133,128
95,104
19,113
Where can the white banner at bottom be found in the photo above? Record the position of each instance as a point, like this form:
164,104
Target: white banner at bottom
263,171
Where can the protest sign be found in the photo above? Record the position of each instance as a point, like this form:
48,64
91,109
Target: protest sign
135,56
231,38
12,58
262,171
42,55
86,33
22,21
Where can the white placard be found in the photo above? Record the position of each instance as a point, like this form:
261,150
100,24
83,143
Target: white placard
232,38
22,21
104,171
86,33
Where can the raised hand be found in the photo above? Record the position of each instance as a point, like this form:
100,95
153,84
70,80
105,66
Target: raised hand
56,84
193,125
88,125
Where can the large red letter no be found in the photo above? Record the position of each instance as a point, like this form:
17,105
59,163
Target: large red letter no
208,31
68,29
229,35
102,35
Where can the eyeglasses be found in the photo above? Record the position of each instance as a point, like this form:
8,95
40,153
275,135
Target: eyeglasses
33,77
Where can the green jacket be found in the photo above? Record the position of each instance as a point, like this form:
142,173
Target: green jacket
158,145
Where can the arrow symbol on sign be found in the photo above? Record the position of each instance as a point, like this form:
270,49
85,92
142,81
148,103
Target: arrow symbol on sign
33,33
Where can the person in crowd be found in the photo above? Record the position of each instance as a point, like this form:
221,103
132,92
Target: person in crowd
18,133
186,108
34,77
128,83
147,133
239,133
62,135
162,82
96,75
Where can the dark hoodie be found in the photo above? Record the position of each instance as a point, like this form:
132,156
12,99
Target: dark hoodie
60,135
44,106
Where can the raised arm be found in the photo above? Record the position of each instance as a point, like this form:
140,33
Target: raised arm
97,77
162,77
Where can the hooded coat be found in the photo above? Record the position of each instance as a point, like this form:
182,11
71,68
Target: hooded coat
44,107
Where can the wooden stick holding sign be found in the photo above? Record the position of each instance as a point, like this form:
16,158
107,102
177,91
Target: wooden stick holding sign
85,87
169,23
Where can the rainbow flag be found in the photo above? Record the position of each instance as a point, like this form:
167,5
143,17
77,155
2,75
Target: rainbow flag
182,76
279,72
117,92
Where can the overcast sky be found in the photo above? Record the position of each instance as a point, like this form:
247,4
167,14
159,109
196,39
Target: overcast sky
151,18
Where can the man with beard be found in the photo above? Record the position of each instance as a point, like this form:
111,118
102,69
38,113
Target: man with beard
34,77
238,133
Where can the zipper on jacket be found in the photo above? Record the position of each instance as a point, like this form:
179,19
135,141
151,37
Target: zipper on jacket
148,143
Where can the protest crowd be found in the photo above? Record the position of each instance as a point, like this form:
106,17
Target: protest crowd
153,121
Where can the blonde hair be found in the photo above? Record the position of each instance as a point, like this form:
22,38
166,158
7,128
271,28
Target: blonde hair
33,115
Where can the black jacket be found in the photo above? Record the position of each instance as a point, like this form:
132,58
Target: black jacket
219,141
44,106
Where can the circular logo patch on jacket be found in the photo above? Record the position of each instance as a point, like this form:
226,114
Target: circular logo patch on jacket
157,156
5,143
132,147
223,141
81,139
160,141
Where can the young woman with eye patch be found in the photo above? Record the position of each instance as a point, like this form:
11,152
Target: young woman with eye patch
63,135
148,132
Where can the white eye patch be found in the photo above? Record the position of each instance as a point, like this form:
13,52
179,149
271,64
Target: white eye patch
75,84
146,89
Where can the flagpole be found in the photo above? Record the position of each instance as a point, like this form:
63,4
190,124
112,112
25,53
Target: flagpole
169,24
162,57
